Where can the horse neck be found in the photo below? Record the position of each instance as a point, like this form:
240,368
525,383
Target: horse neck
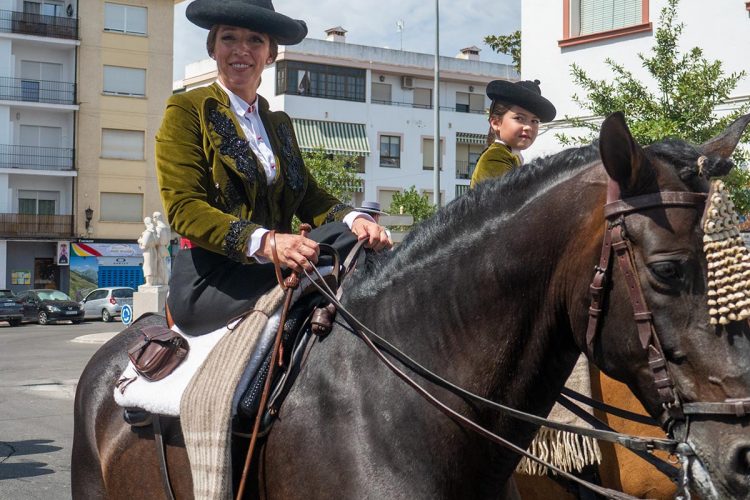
489,304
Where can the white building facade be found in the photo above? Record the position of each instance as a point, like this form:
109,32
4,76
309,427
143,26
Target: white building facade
375,105
558,33
38,46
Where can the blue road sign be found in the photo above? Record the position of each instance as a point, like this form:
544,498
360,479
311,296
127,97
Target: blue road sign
126,315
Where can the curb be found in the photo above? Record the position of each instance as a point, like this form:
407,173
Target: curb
95,338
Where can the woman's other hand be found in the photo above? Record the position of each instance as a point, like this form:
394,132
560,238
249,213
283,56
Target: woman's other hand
295,252
375,234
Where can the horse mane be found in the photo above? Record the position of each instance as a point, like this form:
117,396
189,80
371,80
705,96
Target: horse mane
503,196
467,213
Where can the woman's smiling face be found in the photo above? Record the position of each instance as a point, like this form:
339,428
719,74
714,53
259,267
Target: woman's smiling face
241,56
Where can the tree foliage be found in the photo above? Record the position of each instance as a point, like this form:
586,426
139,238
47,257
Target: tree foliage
333,173
412,203
688,90
510,45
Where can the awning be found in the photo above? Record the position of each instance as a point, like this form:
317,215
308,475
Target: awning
334,137
470,138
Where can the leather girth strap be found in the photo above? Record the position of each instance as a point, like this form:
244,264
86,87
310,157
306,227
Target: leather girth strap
161,455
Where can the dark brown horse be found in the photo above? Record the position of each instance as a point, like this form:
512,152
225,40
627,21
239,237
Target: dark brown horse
492,293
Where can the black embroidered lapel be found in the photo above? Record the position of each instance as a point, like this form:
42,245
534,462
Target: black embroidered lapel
234,146
292,158
238,234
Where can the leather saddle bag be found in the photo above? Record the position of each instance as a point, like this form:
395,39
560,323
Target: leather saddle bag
158,351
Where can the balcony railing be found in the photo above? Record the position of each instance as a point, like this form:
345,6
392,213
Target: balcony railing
26,90
420,106
36,158
464,169
36,226
38,24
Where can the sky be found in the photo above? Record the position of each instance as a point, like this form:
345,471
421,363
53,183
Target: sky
462,24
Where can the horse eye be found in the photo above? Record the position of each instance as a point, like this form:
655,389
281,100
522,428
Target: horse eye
667,270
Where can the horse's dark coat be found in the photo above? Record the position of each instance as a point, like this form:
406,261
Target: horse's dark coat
492,294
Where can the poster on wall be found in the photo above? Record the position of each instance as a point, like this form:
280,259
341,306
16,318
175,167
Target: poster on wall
98,264
62,256
20,277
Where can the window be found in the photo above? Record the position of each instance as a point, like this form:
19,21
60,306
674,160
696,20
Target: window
123,144
601,19
423,98
469,103
381,93
37,202
467,156
124,81
45,8
390,151
320,80
430,199
121,207
428,153
41,137
385,198
36,81
125,18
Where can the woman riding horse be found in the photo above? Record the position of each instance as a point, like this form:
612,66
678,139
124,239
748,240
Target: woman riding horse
232,176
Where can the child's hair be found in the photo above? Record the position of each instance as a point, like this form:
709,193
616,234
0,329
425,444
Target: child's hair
497,109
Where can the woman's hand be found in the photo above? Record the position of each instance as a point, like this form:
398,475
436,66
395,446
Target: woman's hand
375,234
294,251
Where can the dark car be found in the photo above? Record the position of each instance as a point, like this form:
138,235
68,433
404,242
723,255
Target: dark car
10,310
44,306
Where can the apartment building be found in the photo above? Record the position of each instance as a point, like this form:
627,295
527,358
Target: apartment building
376,106
82,89
559,33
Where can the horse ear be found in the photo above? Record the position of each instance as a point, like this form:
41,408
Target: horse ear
623,158
723,145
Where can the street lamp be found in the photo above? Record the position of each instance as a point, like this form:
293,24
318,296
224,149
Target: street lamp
89,215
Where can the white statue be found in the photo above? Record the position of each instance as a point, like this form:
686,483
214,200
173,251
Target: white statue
148,243
163,236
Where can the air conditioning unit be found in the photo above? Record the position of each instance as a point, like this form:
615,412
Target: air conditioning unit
407,82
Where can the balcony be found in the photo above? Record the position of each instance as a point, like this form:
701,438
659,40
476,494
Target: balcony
464,169
38,24
36,226
36,158
43,91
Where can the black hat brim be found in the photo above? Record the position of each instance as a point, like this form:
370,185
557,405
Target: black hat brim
513,93
284,29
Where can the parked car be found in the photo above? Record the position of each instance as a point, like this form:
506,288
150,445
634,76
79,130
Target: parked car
106,303
10,309
45,306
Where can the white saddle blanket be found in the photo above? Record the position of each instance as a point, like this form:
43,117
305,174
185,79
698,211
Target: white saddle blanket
164,396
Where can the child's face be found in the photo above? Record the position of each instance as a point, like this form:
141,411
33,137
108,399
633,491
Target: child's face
517,128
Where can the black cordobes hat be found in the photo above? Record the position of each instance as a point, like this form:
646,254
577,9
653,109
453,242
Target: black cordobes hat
526,94
256,15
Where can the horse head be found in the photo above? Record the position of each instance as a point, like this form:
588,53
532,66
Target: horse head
690,372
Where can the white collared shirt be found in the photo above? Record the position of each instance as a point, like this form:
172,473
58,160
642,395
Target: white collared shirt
257,137
255,132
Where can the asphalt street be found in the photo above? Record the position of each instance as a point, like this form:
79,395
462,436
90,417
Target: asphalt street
39,369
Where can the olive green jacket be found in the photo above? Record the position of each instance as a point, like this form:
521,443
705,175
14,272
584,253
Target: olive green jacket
495,161
214,189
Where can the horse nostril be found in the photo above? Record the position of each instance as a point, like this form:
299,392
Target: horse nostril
743,461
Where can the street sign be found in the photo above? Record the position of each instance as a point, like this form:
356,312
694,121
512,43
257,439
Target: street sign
126,315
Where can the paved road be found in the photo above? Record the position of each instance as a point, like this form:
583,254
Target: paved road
39,369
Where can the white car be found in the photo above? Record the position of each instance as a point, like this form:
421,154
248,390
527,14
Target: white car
106,303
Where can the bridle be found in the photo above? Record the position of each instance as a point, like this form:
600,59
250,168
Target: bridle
616,241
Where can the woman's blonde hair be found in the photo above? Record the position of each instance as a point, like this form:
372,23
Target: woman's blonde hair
497,110
211,42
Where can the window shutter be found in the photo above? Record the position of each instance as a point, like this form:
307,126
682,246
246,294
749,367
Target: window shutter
124,81
121,207
604,15
123,144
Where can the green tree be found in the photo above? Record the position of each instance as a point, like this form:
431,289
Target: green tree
689,88
334,173
412,203
510,45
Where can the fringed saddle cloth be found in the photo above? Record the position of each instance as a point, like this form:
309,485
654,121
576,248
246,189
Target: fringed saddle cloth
570,452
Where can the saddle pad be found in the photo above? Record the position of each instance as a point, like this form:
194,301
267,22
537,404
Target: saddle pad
164,396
